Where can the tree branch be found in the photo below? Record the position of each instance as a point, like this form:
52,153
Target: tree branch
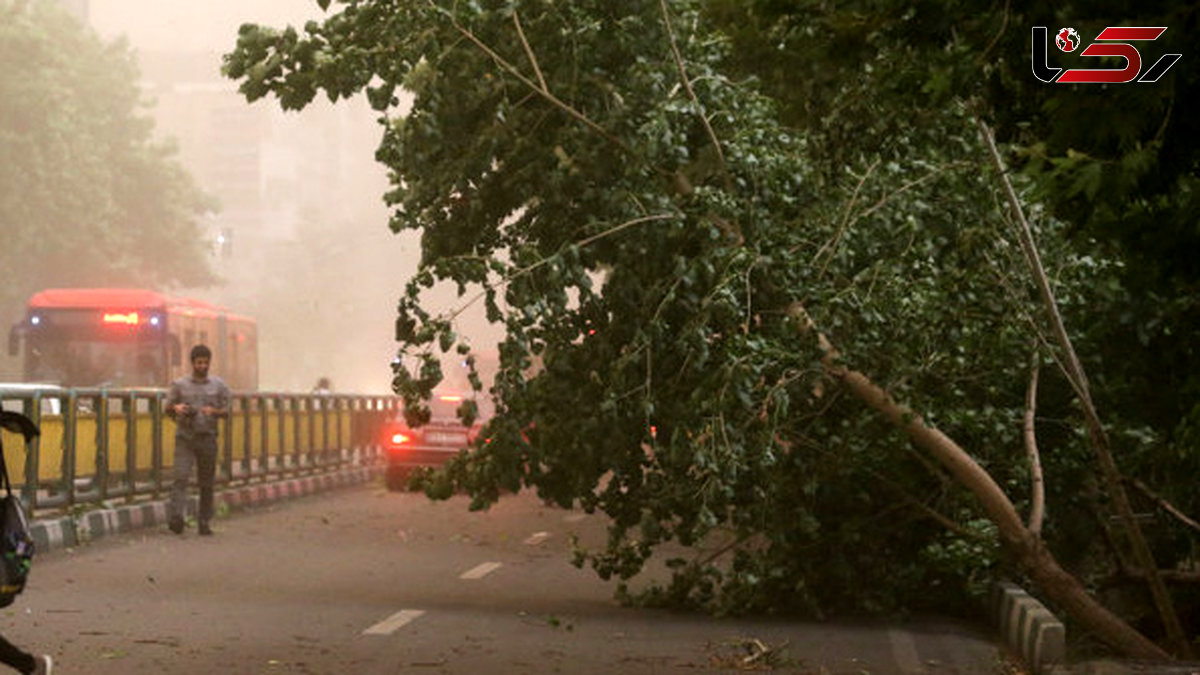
544,93
687,86
929,511
831,245
956,460
1037,486
847,221
1096,433
529,52
1164,504
530,268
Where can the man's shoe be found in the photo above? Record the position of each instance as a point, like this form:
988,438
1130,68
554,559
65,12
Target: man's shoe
205,529
44,665
176,525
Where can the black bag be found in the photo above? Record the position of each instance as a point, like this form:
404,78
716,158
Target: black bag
16,542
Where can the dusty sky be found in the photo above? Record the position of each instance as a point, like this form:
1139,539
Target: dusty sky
192,25
286,361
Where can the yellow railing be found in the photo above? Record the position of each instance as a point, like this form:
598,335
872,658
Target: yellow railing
98,444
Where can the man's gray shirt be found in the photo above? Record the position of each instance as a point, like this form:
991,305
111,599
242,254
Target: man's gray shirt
211,391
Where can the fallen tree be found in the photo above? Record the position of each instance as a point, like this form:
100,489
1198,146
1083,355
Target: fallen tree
661,252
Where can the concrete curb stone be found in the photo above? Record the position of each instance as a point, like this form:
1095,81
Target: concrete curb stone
1028,628
1039,638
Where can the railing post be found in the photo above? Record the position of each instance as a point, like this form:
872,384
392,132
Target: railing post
324,401
226,473
342,402
264,429
131,467
33,410
70,419
157,451
281,418
310,416
101,401
247,405
297,447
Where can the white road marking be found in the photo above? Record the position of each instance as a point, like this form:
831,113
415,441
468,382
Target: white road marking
904,651
480,571
574,517
537,538
394,622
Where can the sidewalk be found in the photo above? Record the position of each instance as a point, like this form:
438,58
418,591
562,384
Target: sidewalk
73,530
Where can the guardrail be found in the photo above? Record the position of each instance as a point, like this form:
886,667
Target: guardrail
100,445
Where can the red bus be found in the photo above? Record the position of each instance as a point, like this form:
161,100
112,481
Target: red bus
125,337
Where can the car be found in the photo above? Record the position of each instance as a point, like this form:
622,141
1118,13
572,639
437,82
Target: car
434,443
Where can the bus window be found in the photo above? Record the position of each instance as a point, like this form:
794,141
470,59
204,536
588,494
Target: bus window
83,363
149,368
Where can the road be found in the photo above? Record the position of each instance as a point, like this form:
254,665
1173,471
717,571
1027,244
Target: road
367,581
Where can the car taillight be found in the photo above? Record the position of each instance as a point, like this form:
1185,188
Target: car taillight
400,439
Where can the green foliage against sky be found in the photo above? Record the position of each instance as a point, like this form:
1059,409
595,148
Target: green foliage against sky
1118,163
86,196
643,213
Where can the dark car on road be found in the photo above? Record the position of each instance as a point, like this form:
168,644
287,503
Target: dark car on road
433,444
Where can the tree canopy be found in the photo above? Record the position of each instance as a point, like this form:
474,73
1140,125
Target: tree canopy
87,196
736,249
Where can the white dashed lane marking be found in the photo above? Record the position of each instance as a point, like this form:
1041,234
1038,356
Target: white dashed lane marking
480,571
394,622
537,538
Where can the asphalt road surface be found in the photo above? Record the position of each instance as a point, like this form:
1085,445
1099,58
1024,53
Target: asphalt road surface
368,581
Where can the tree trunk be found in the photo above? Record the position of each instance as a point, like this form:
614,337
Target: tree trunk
1063,590
1058,585
1055,583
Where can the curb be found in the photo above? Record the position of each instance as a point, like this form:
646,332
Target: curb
69,531
1028,628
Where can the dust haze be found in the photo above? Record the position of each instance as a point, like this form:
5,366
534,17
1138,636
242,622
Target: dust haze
301,238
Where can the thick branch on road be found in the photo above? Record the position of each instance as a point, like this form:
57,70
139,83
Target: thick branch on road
1058,585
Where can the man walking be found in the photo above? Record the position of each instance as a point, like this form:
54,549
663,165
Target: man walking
196,402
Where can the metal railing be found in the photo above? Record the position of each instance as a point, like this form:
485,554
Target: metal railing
100,445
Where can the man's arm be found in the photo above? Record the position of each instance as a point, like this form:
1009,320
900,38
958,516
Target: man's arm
221,409
175,406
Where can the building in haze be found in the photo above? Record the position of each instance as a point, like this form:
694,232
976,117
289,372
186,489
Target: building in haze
79,8
300,233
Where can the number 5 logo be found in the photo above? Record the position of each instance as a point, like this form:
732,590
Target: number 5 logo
1133,59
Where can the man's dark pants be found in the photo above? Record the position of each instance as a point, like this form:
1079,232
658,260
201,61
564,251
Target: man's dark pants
199,452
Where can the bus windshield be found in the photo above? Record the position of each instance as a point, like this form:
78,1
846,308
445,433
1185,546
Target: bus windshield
80,362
